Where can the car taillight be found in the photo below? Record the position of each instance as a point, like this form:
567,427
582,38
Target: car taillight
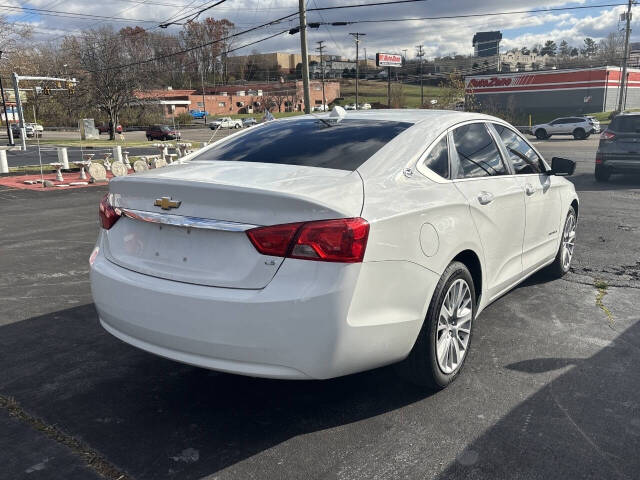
339,240
598,158
607,135
108,215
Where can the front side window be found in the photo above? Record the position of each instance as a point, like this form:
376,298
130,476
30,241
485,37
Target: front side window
478,154
310,142
523,158
438,158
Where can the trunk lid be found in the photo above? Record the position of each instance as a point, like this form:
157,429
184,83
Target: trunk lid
235,195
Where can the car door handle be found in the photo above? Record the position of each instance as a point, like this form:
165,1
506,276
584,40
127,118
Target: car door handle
529,189
485,198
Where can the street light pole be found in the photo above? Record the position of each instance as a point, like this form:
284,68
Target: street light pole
204,103
4,108
357,36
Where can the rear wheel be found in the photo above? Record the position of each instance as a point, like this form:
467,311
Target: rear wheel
149,137
602,173
444,340
541,134
579,134
562,263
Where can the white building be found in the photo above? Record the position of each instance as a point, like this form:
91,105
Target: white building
517,62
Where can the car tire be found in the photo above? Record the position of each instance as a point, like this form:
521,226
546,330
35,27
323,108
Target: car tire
602,173
149,138
422,366
541,134
561,265
579,134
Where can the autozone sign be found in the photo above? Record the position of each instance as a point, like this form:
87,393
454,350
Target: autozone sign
388,60
490,82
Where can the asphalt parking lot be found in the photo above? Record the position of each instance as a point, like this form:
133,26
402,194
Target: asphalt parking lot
550,389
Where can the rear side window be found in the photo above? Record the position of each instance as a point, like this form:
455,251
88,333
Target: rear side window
309,142
477,152
438,158
628,124
522,156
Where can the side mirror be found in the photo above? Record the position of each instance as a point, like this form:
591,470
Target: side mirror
562,166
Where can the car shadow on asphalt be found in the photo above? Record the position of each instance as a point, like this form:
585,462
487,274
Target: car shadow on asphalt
584,423
586,182
150,416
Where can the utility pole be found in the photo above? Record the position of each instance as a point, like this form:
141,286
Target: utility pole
357,35
204,104
366,66
320,48
4,108
305,56
420,54
622,97
23,131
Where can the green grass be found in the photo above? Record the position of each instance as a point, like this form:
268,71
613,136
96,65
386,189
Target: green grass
372,92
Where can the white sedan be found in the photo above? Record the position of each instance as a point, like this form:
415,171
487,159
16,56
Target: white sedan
319,246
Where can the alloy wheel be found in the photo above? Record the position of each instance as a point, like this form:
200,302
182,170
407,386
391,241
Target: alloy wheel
568,241
454,326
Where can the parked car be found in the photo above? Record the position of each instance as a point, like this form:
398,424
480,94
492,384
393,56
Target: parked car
579,127
248,122
364,106
225,122
594,122
162,132
198,113
104,128
29,130
37,129
619,147
323,264
350,106
321,108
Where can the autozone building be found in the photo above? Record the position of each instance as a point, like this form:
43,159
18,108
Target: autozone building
562,92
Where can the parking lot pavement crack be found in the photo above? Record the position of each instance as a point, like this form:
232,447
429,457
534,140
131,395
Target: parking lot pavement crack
602,286
94,460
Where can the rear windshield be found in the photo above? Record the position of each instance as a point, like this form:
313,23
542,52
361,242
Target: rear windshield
309,142
629,123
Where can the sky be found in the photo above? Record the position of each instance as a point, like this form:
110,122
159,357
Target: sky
438,36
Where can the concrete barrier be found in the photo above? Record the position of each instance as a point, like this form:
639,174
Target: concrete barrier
117,153
63,158
4,166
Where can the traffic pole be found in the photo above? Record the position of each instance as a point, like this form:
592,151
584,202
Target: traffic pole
623,78
305,56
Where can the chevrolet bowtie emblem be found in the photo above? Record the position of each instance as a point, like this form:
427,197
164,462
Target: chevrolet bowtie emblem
166,203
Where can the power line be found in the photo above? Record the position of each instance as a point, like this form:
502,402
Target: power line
191,16
58,13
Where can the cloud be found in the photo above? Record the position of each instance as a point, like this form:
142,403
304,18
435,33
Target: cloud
439,37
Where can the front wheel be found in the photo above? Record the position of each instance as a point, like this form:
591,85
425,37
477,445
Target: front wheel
444,340
579,134
562,262
541,134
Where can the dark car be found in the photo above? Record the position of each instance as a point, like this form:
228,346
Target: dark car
619,148
162,132
104,128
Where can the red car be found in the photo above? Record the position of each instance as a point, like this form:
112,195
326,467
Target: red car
104,128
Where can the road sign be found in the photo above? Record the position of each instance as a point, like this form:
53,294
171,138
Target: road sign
388,60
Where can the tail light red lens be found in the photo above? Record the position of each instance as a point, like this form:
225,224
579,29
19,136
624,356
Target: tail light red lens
339,240
607,135
108,215
598,158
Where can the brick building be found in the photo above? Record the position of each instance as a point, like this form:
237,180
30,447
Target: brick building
232,99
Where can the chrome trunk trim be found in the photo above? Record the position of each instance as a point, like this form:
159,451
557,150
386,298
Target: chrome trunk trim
188,222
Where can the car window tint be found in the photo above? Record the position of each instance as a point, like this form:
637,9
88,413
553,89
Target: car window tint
477,152
438,158
308,141
521,155
629,124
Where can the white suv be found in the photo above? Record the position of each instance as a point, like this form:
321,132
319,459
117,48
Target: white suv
579,127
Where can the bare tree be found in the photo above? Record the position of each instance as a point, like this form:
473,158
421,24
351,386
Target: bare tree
111,76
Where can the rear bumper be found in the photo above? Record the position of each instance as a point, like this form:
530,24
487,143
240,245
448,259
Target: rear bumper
314,320
632,164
